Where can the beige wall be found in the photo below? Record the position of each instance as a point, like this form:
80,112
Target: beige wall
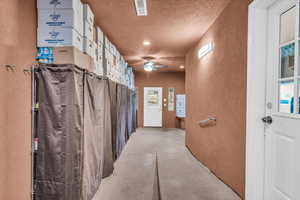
159,79
17,47
216,86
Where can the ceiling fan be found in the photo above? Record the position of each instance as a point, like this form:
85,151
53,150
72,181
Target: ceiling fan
157,62
152,66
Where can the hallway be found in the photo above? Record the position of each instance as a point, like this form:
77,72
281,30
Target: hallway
152,153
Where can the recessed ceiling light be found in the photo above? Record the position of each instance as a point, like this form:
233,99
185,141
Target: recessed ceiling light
147,43
181,67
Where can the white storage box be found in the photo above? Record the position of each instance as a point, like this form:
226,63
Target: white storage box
100,36
109,46
114,50
88,31
99,52
106,42
88,14
89,47
118,55
50,4
61,18
59,37
107,56
99,68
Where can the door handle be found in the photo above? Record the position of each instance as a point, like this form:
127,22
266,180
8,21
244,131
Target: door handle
267,120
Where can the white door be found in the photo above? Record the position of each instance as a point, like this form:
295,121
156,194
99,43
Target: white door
153,107
282,121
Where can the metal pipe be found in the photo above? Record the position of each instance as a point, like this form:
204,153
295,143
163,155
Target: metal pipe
32,127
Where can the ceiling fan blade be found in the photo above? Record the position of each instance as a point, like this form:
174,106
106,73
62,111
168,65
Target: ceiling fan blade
161,66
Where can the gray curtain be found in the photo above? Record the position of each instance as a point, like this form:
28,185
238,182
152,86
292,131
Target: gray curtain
129,112
84,122
134,110
113,108
108,162
98,159
121,131
60,131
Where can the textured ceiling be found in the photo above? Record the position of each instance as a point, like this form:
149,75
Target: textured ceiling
172,27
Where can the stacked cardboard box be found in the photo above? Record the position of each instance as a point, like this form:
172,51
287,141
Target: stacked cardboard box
130,78
89,44
61,33
99,61
115,64
60,23
67,35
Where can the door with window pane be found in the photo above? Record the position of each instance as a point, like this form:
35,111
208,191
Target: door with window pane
282,156
152,107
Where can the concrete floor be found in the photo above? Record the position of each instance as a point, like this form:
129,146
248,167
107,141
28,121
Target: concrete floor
156,165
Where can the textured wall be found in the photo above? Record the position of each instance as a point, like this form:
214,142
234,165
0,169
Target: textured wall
216,86
164,80
17,47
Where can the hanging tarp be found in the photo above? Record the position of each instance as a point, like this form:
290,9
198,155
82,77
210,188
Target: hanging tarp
129,112
121,118
126,109
113,108
98,159
108,161
60,131
83,124
134,110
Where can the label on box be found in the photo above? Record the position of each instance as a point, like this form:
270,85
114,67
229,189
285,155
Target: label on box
64,18
59,37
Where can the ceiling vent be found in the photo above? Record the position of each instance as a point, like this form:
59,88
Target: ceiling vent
141,7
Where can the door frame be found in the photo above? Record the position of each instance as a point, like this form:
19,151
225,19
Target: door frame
256,98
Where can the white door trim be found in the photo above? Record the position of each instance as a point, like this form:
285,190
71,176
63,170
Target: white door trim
256,95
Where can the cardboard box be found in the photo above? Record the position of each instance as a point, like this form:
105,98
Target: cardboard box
89,47
59,37
95,34
71,55
100,36
107,43
88,30
61,18
99,68
50,4
88,14
99,52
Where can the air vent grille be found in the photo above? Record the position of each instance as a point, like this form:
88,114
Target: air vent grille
141,7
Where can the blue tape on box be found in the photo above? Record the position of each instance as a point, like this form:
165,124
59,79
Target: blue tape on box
45,55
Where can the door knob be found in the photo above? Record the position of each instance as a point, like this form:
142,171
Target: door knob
267,120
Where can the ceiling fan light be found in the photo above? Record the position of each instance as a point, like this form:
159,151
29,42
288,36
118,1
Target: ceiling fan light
149,66
148,69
